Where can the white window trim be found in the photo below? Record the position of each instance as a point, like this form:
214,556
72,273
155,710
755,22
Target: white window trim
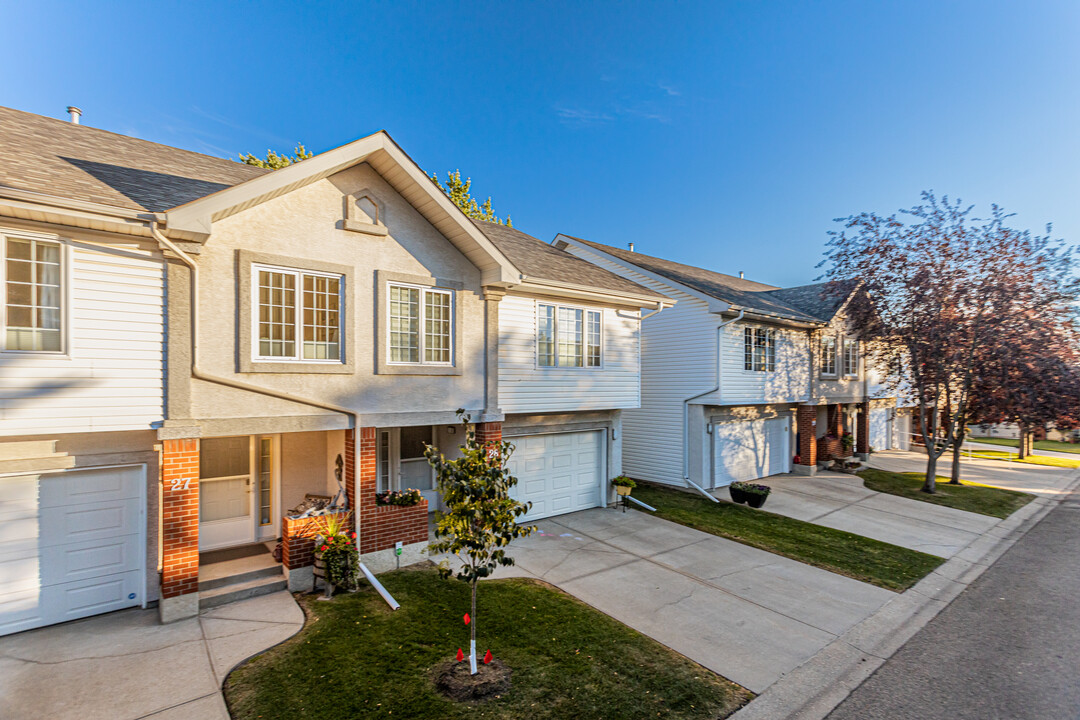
65,294
584,336
855,344
836,357
421,334
299,316
775,344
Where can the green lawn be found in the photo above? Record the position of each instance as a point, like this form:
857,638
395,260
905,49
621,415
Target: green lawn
1054,445
355,658
872,561
969,496
1007,456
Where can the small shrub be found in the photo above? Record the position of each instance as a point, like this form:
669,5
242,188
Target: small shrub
623,481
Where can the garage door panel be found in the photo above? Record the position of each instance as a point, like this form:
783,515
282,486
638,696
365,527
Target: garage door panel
749,450
75,551
879,421
569,478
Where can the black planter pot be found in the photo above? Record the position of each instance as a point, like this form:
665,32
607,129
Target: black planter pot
755,500
737,495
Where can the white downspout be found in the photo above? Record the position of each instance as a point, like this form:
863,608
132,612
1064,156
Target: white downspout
686,408
196,372
659,307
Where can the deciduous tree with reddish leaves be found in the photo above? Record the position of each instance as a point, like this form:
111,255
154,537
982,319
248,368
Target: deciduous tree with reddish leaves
942,294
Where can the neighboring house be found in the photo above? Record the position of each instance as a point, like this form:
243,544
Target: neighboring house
325,321
742,380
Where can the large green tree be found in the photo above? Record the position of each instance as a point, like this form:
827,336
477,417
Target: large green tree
274,161
481,517
458,191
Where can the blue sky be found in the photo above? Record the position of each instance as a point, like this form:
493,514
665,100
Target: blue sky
722,134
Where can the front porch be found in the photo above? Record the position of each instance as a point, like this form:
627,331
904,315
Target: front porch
221,493
821,431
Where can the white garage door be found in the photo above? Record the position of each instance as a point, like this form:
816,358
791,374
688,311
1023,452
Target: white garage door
879,429
558,473
750,450
70,545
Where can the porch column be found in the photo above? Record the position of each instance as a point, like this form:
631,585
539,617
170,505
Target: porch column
179,529
489,432
806,424
862,430
364,510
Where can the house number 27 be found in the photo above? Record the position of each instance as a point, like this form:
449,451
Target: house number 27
179,484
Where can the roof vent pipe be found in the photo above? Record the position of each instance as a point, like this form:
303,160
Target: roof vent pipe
75,113
631,246
741,276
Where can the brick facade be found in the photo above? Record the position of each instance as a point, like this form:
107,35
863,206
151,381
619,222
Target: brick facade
381,526
350,466
806,423
862,429
298,542
180,517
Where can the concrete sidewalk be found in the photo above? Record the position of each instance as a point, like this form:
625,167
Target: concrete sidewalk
126,665
744,613
1041,480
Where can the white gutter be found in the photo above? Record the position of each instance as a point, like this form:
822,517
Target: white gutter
686,408
196,372
659,306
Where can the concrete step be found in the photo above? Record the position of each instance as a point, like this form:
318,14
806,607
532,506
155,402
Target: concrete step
241,591
272,570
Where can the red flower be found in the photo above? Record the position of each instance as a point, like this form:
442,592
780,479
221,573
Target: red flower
352,535
324,548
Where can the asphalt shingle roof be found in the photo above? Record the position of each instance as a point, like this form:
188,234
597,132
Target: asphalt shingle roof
806,303
78,162
536,258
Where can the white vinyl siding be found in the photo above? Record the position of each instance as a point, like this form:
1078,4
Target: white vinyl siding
109,376
787,383
525,385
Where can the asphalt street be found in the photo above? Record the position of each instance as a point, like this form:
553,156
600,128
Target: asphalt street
1008,648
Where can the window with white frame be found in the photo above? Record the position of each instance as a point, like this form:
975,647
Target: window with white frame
33,295
297,315
828,355
420,325
851,357
568,336
759,348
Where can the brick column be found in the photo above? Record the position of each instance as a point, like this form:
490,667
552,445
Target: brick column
862,429
806,424
179,529
367,467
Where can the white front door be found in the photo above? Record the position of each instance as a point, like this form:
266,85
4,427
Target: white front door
230,497
558,473
71,545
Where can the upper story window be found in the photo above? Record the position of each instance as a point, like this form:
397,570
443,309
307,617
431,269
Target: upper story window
828,355
851,357
567,336
759,345
297,315
33,295
420,325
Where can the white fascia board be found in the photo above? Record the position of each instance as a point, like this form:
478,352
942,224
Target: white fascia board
716,306
558,289
194,220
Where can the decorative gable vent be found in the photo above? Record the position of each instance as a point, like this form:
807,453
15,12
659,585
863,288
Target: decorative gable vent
364,213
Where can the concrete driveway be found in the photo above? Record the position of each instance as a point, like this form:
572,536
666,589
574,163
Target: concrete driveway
126,665
744,613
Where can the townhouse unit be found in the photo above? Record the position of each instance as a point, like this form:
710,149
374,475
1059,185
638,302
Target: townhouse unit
194,348
742,380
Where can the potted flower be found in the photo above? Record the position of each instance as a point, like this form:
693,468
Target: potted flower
336,556
403,498
847,441
623,485
752,494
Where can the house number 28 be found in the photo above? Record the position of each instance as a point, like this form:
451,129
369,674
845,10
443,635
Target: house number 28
179,484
